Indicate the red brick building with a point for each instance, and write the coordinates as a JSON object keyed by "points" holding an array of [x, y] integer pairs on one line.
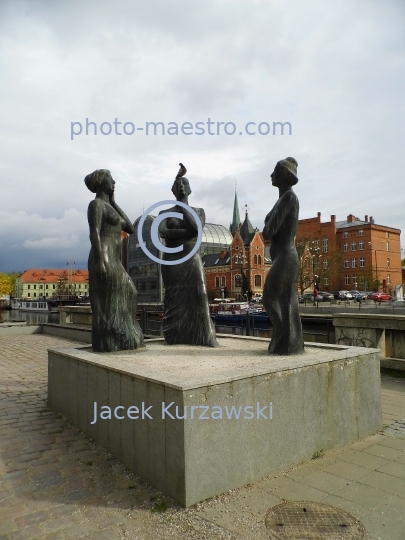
{"points": [[350, 254], [240, 271]]}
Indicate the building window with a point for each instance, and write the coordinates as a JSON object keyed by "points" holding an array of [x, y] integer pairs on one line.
{"points": [[29, 294], [345, 246], [362, 278], [362, 262], [223, 281], [255, 259], [259, 260], [216, 282], [238, 280], [53, 286], [326, 281], [388, 279], [387, 234], [258, 280], [347, 280], [346, 263], [345, 235], [29, 286], [35, 287], [325, 263], [236, 259], [361, 245], [315, 244], [353, 246], [354, 263], [387, 245], [388, 263], [35, 293], [361, 232], [354, 277], [324, 245]]}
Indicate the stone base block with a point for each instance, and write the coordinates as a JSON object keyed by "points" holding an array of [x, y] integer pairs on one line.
{"points": [[236, 414]]}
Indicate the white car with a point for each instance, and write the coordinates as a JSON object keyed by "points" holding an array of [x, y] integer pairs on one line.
{"points": [[346, 294]]}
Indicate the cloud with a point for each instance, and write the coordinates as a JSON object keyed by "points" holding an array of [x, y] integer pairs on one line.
{"points": [[336, 72]]}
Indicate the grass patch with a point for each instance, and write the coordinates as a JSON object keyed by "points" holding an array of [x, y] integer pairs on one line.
{"points": [[160, 506], [317, 454]]}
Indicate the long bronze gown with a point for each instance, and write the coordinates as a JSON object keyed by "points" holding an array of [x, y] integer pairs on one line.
{"points": [[187, 317], [113, 295], [280, 296]]}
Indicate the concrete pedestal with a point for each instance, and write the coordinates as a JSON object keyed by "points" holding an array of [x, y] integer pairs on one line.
{"points": [[288, 408]]}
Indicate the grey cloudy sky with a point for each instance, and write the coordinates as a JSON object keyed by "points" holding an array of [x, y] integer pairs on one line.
{"points": [[334, 70]]}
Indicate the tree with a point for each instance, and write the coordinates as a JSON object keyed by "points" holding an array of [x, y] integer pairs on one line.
{"points": [[63, 285], [305, 275], [246, 288], [6, 284]]}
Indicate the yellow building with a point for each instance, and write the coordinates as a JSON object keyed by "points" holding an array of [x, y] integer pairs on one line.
{"points": [[44, 283]]}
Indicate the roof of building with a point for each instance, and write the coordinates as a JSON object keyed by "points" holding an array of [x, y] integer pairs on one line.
{"points": [[247, 231], [216, 259], [355, 223], [216, 234], [41, 275], [234, 226]]}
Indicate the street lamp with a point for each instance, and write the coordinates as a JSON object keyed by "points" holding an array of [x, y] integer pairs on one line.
{"points": [[314, 250]]}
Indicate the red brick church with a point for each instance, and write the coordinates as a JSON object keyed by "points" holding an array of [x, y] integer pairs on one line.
{"points": [[240, 272]]}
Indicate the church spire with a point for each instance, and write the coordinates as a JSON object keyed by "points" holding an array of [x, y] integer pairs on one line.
{"points": [[234, 226]]}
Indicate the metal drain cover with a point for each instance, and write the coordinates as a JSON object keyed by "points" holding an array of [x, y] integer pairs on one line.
{"points": [[305, 520]]}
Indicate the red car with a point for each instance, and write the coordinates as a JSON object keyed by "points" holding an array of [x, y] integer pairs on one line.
{"points": [[379, 297]]}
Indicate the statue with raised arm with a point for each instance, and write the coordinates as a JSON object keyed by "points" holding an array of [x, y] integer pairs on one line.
{"points": [[113, 295], [280, 296], [187, 317]]}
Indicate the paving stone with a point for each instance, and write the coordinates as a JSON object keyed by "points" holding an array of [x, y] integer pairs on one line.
{"points": [[365, 460], [393, 442], [299, 492], [324, 481], [383, 451], [93, 502], [394, 468], [368, 496], [346, 470], [385, 529], [386, 482]]}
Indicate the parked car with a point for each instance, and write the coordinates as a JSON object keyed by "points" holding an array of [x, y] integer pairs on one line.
{"points": [[358, 296], [308, 297], [345, 295], [326, 296], [379, 297]]}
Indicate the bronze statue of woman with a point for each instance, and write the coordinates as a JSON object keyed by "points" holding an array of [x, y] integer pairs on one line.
{"points": [[280, 296], [113, 295], [187, 317]]}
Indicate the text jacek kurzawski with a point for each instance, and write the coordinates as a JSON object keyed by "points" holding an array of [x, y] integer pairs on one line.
{"points": [[188, 412]]}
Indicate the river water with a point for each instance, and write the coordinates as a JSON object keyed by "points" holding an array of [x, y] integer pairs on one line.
{"points": [[30, 317]]}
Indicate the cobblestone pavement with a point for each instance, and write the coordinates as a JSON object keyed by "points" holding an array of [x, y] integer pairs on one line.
{"points": [[56, 484]]}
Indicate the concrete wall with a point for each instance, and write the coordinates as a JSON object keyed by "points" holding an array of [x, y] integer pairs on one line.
{"points": [[384, 332], [318, 403]]}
